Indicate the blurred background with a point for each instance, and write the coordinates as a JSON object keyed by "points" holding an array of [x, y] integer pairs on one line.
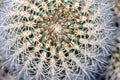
{"points": [[112, 71]]}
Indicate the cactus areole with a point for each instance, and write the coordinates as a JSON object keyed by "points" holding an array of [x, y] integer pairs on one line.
{"points": [[56, 39]]}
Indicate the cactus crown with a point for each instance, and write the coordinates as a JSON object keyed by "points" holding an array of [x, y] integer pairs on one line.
{"points": [[57, 39]]}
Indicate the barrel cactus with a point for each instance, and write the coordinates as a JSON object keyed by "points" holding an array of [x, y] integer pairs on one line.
{"points": [[56, 39]]}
